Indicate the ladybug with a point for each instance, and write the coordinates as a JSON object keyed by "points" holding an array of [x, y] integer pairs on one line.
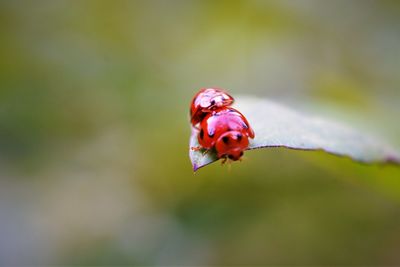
{"points": [[226, 130], [206, 101]]}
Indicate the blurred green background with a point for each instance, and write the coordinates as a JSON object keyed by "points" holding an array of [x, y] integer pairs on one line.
{"points": [[94, 99]]}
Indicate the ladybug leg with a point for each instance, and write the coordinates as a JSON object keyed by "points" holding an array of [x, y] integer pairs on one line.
{"points": [[224, 160], [196, 148], [196, 127], [199, 148]]}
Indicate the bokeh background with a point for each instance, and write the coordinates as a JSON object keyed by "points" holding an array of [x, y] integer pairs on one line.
{"points": [[94, 99]]}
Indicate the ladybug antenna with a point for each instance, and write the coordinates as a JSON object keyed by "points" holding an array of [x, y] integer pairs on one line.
{"points": [[226, 160], [229, 165], [242, 157]]}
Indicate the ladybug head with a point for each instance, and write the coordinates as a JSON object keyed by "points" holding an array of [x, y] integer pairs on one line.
{"points": [[232, 144], [207, 100], [218, 99], [210, 98]]}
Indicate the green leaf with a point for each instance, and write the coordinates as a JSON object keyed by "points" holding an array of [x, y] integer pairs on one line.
{"points": [[278, 126]]}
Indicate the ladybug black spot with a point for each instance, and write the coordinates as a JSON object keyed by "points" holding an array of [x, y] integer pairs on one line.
{"points": [[212, 102], [225, 139], [201, 134], [239, 137]]}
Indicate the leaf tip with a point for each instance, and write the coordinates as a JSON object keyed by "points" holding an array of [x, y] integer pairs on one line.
{"points": [[393, 158], [195, 167]]}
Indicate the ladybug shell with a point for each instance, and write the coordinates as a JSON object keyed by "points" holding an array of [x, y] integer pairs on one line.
{"points": [[226, 130], [207, 100]]}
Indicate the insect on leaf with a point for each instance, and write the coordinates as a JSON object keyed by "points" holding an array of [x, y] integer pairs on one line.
{"points": [[278, 126]]}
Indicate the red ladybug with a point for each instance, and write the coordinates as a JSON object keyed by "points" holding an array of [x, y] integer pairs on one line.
{"points": [[206, 101], [226, 130]]}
